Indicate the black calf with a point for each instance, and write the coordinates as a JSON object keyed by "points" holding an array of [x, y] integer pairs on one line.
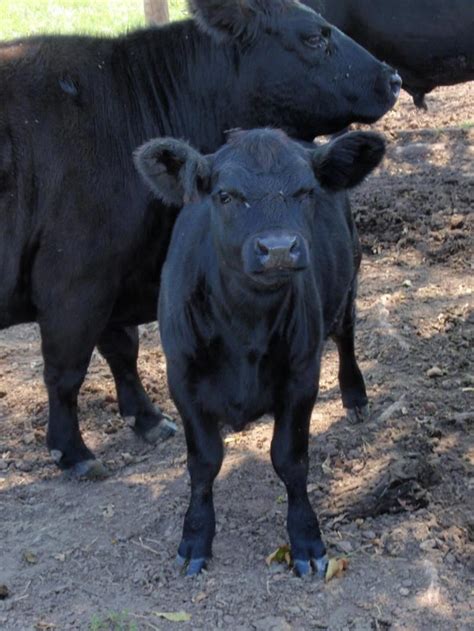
{"points": [[261, 270]]}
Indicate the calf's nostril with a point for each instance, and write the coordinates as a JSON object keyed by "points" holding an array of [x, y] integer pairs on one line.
{"points": [[294, 246]]}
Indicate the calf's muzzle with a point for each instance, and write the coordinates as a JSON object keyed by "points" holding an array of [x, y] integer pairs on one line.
{"points": [[275, 252]]}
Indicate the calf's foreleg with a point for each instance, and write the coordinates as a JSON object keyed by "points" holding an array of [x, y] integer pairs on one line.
{"points": [[205, 454], [289, 452]]}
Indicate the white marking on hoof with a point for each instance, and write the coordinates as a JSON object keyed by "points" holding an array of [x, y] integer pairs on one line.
{"points": [[56, 455], [129, 420]]}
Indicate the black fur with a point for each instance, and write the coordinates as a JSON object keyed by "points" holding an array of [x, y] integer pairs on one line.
{"points": [[240, 343], [430, 42], [82, 240]]}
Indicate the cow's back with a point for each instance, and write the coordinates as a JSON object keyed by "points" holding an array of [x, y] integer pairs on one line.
{"points": [[429, 41]]}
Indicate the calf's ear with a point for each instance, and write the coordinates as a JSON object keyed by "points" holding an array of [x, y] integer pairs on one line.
{"points": [[174, 170], [346, 161], [224, 19]]}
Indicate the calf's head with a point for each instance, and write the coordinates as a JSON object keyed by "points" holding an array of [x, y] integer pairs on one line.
{"points": [[296, 71], [263, 193]]}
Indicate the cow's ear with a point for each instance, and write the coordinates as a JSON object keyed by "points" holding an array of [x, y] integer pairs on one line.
{"points": [[175, 171], [224, 19], [346, 161]]}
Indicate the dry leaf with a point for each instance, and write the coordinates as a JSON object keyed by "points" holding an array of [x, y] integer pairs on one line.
{"points": [[326, 466], [280, 555], [173, 616], [108, 511], [30, 557], [335, 568], [60, 556]]}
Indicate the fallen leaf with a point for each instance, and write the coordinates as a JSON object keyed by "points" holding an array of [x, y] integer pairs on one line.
{"points": [[326, 466], [280, 555], [173, 616], [335, 568], [30, 557], [108, 511], [60, 556]]}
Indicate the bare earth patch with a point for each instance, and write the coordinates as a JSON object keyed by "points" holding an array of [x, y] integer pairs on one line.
{"points": [[393, 494]]}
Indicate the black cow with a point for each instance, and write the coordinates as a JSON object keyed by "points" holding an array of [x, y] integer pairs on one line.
{"points": [[430, 42], [261, 269], [82, 240]]}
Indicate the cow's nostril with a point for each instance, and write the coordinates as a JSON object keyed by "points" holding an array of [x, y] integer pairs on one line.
{"points": [[395, 84], [261, 247]]}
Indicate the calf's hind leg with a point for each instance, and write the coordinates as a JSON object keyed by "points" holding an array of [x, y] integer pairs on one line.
{"points": [[119, 346], [351, 381]]}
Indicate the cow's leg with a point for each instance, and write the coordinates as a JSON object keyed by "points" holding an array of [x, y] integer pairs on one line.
{"points": [[289, 453], [72, 313], [351, 381], [419, 100], [65, 366], [119, 346], [205, 454]]}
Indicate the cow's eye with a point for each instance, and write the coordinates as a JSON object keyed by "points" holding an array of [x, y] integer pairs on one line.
{"points": [[313, 41], [224, 197], [317, 40]]}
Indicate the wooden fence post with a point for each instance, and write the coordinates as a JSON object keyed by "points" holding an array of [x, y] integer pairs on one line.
{"points": [[156, 11]]}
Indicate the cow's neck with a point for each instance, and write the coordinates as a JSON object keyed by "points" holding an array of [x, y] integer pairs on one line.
{"points": [[180, 83]]}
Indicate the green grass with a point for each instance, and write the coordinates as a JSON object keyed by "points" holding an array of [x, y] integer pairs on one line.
{"points": [[113, 621], [27, 17]]}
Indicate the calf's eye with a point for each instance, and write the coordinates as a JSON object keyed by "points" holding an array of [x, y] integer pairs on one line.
{"points": [[224, 197]]}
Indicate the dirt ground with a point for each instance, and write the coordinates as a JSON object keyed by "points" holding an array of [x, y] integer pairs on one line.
{"points": [[392, 494]]}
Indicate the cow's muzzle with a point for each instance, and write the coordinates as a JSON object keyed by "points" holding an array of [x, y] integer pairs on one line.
{"points": [[275, 254]]}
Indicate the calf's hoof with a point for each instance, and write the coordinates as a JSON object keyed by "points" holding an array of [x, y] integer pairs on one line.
{"points": [[318, 566], [193, 566], [89, 469], [357, 415]]}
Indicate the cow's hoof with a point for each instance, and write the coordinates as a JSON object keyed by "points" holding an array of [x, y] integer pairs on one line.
{"points": [[193, 566], [357, 415], [165, 429], [88, 470], [318, 566]]}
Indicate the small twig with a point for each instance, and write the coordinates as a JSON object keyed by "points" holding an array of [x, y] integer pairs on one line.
{"points": [[140, 544]]}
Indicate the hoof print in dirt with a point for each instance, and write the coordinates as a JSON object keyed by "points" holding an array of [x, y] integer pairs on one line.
{"points": [[88, 470], [193, 567], [316, 566], [165, 429], [357, 415]]}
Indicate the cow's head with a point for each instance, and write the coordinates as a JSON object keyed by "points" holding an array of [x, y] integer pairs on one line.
{"points": [[296, 71], [263, 191]]}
